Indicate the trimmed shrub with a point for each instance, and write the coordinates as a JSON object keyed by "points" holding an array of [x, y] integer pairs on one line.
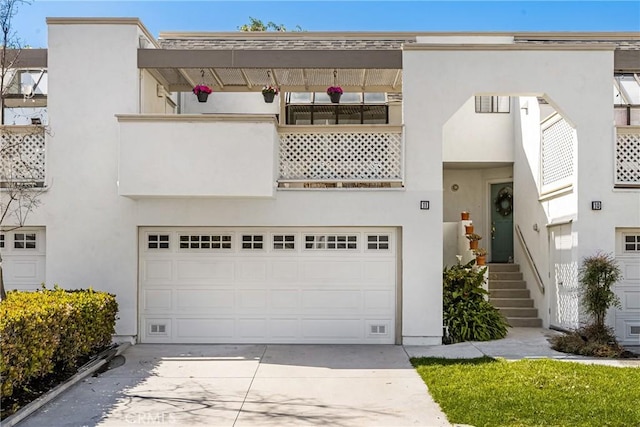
{"points": [[468, 316], [51, 329]]}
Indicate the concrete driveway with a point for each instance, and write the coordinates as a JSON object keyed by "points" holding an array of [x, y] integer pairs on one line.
{"points": [[249, 385]]}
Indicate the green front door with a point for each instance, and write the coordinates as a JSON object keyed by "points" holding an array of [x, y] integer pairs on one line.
{"points": [[502, 222]]}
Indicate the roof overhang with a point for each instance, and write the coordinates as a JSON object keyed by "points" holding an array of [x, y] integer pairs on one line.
{"points": [[239, 70]]}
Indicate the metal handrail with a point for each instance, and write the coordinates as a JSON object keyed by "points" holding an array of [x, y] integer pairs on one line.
{"points": [[532, 263]]}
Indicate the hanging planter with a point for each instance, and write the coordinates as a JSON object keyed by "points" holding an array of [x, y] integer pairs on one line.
{"points": [[202, 92], [269, 92], [335, 92]]}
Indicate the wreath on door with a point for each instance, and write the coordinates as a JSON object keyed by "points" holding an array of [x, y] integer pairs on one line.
{"points": [[504, 202]]}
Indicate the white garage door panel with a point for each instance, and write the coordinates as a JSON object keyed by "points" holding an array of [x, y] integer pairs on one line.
{"points": [[257, 291], [627, 317], [323, 271], [194, 300], [158, 271], [284, 271], [204, 270]]}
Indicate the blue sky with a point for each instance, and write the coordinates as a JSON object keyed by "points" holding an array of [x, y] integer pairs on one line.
{"points": [[343, 15]]}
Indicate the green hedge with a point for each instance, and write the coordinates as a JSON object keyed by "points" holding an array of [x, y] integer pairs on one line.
{"points": [[48, 329]]}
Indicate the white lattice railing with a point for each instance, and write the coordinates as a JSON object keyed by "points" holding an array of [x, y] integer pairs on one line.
{"points": [[341, 154], [557, 154], [628, 156], [22, 155]]}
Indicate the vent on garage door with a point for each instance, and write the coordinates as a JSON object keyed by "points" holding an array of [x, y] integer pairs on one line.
{"points": [[378, 329], [158, 329]]}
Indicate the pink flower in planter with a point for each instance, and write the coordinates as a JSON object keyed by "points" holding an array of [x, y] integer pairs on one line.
{"points": [[202, 89]]}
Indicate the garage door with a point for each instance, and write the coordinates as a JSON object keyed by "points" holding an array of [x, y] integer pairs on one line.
{"points": [[23, 258], [259, 285], [627, 317]]}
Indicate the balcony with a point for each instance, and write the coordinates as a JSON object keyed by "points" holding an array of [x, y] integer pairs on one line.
{"points": [[197, 155], [340, 156], [627, 154], [22, 152]]}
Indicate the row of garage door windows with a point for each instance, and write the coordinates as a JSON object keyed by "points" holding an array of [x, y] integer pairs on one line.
{"points": [[20, 241], [278, 241]]}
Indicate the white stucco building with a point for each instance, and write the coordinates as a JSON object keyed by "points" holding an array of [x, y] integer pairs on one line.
{"points": [[238, 221]]}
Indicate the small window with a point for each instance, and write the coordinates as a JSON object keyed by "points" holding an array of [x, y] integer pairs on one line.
{"points": [[331, 241], [252, 241], [378, 242], [1, 241], [207, 241], [284, 241], [24, 241], [632, 243], [158, 241], [492, 104]]}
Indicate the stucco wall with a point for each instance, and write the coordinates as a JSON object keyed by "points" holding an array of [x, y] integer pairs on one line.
{"points": [[478, 137], [91, 234], [195, 156]]}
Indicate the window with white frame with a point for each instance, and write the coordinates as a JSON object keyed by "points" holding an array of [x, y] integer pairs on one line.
{"points": [[378, 242], [492, 104], [330, 241], [24, 241], [205, 241], [158, 241], [284, 241], [252, 241], [632, 242]]}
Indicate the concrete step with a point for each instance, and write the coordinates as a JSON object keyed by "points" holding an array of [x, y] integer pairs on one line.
{"points": [[518, 312], [504, 275], [499, 267], [508, 293], [507, 284], [524, 322], [512, 302]]}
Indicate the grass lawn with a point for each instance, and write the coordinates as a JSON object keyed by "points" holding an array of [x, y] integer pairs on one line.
{"points": [[488, 392]]}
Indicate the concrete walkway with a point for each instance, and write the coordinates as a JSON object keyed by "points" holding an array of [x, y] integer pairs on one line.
{"points": [[249, 385], [520, 343]]}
